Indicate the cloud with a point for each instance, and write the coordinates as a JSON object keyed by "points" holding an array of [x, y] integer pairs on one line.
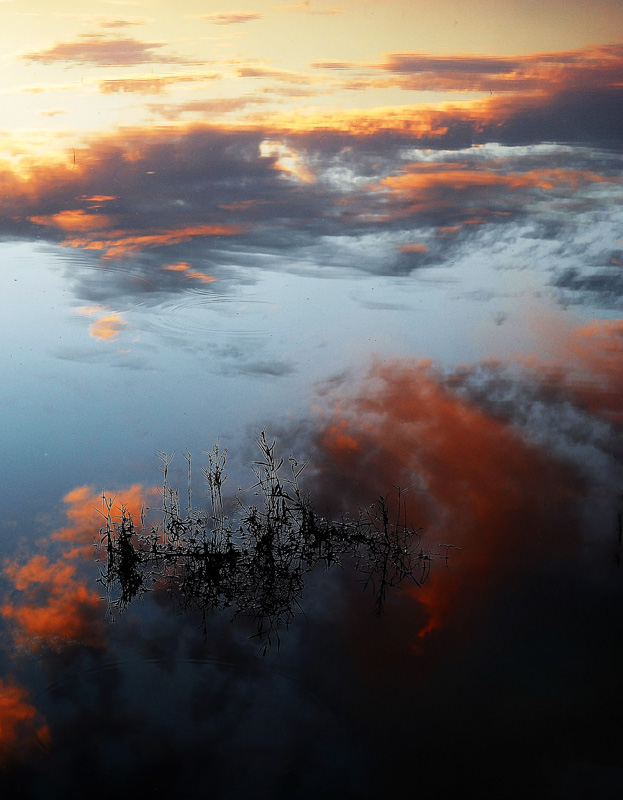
{"points": [[124, 22], [97, 50], [355, 189], [538, 74], [285, 75], [151, 84], [226, 105], [231, 18]]}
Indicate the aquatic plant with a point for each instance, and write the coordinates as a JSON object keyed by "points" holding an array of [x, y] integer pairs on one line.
{"points": [[257, 560]]}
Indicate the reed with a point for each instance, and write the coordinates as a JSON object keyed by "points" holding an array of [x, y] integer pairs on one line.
{"points": [[256, 561]]}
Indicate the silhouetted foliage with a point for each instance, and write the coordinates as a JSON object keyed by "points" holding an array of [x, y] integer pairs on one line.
{"points": [[257, 561]]}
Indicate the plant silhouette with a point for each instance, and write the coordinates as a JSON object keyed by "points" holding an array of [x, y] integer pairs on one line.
{"points": [[255, 562]]}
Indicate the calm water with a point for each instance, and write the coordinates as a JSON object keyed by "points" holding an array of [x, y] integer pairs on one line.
{"points": [[437, 310]]}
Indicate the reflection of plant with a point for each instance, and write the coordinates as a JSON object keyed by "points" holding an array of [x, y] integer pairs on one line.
{"points": [[256, 562]]}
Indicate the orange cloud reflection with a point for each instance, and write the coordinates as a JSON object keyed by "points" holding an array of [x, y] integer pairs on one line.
{"points": [[107, 327], [476, 482], [75, 220], [186, 269], [118, 243], [20, 723], [53, 604]]}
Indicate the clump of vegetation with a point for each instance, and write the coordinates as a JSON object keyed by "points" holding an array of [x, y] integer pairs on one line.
{"points": [[257, 560]]}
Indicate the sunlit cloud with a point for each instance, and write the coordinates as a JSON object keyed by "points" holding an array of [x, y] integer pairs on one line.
{"points": [[151, 84], [54, 112], [122, 23], [461, 190], [231, 18], [287, 161], [98, 198], [539, 74], [258, 71], [96, 50], [225, 105], [426, 178]]}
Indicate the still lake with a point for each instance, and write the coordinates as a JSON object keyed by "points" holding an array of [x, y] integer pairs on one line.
{"points": [[421, 306]]}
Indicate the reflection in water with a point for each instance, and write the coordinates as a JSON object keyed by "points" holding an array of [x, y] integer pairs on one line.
{"points": [[442, 284], [257, 565], [513, 651]]}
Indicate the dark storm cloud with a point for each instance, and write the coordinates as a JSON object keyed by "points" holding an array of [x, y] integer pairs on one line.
{"points": [[95, 49]]}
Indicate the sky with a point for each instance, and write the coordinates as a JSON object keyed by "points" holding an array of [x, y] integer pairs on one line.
{"points": [[390, 234]]}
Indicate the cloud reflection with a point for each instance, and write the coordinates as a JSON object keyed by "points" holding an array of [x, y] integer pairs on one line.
{"points": [[55, 602], [492, 654], [21, 726]]}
